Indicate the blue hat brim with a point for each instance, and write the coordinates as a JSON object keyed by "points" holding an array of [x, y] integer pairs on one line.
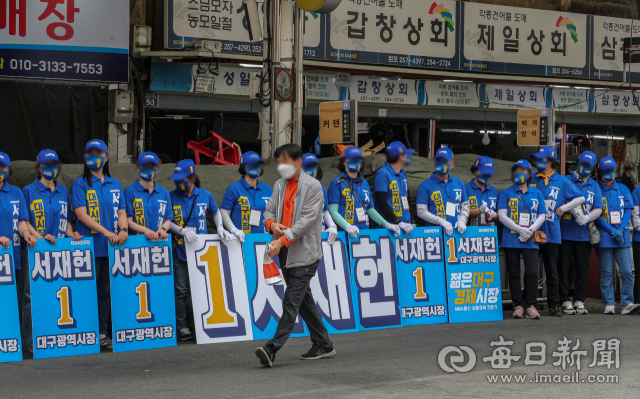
{"points": [[520, 166], [486, 170], [179, 176], [409, 151], [155, 162]]}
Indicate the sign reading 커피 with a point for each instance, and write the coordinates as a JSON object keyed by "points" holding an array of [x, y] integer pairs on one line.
{"points": [[375, 283], [142, 294], [65, 39], [473, 275], [64, 298], [331, 287], [219, 291], [10, 348], [265, 300], [421, 277]]}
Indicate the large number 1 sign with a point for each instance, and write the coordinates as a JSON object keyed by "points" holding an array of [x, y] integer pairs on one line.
{"points": [[219, 290]]}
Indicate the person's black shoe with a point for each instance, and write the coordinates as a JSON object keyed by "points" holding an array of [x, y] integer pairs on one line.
{"points": [[266, 354], [556, 312], [184, 334], [318, 351]]}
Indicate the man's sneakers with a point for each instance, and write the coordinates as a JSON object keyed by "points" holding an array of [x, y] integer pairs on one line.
{"points": [[631, 308], [185, 334], [266, 354], [579, 307], [518, 313], [609, 309], [555, 311], [567, 308], [106, 343], [531, 312], [318, 351]]}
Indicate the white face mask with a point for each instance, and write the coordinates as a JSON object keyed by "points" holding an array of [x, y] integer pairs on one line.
{"points": [[286, 171]]}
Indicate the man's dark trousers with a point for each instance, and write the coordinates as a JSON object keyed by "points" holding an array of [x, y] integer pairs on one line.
{"points": [[298, 300]]}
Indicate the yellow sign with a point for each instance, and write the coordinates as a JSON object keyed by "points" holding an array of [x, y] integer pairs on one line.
{"points": [[336, 122], [319, 6], [533, 125]]}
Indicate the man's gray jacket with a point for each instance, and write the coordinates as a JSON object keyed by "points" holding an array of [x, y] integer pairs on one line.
{"points": [[306, 227]]}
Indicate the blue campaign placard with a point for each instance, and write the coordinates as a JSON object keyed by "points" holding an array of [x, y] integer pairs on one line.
{"points": [[473, 275], [143, 307], [64, 298], [10, 340], [331, 287], [265, 300], [421, 277], [375, 283]]}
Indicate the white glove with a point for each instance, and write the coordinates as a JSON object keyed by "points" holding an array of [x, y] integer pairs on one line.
{"points": [[406, 227], [492, 215], [394, 228], [525, 234], [189, 235], [333, 233], [352, 230], [461, 226], [448, 228], [225, 235], [484, 208], [239, 234], [582, 219]]}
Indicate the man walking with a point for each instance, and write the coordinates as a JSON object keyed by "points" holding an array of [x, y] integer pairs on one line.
{"points": [[294, 217]]}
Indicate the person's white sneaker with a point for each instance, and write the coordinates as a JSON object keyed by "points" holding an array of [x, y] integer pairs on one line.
{"points": [[610, 309], [580, 309], [567, 308], [631, 308]]}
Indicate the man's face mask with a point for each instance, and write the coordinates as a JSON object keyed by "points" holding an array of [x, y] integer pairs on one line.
{"points": [[442, 168], [50, 172], [286, 170], [254, 171], [311, 171]]}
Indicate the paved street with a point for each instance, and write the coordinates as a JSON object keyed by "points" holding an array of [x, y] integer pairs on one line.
{"points": [[399, 363]]}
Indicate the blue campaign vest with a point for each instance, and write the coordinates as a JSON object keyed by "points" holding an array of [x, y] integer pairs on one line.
{"points": [[340, 193], [615, 199], [593, 200], [509, 199], [436, 193], [240, 198], [48, 210], [477, 197], [148, 209], [13, 209], [396, 185], [182, 203]]}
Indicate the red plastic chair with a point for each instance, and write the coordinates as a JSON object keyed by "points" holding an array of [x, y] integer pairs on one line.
{"points": [[227, 154]]}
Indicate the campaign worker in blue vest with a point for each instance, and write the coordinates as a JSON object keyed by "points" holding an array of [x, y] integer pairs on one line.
{"points": [[311, 166], [560, 197], [98, 201], [521, 210], [635, 219], [350, 200], [244, 201], [392, 198], [617, 207], [575, 236], [442, 198], [190, 206], [483, 198], [148, 205], [49, 217]]}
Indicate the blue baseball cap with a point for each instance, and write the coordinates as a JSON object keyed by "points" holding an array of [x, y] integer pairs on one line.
{"points": [[352, 152], [607, 164], [4, 160], [46, 156], [97, 144], [523, 163], [445, 153], [545, 152], [148, 157], [396, 149], [485, 166], [250, 158], [309, 159], [588, 157], [184, 169]]}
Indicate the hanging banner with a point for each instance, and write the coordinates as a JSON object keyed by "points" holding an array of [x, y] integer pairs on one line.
{"points": [[10, 339], [608, 35], [218, 290], [64, 298], [331, 287], [265, 300], [143, 307], [524, 41], [613, 102], [513, 97], [571, 100], [375, 283], [421, 277], [473, 275], [395, 32], [85, 40], [225, 21]]}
